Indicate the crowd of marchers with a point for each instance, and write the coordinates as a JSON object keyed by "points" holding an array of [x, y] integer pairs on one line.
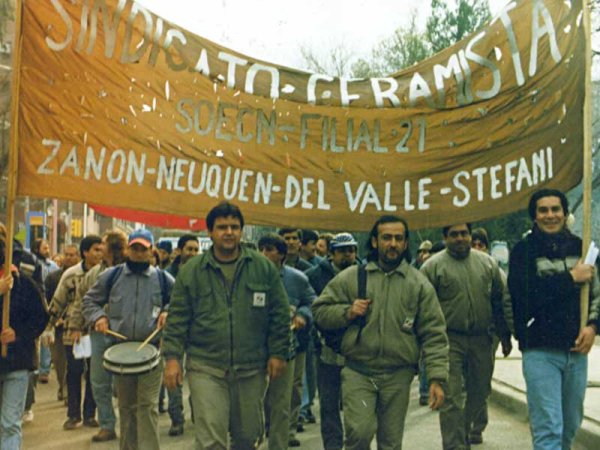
{"points": [[260, 330]]}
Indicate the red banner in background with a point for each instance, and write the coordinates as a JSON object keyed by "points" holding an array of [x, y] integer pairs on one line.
{"points": [[154, 219]]}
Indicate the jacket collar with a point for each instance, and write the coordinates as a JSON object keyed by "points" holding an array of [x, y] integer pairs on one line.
{"points": [[402, 268], [208, 258]]}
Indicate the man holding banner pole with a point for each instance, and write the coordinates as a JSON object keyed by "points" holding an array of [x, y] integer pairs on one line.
{"points": [[546, 275]]}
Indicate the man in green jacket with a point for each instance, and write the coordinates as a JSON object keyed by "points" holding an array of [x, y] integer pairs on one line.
{"points": [[401, 317], [471, 291], [229, 312]]}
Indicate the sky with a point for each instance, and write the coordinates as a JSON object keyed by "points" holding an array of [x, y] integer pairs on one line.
{"points": [[276, 30]]}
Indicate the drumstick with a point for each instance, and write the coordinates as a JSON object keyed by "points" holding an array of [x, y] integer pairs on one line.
{"points": [[149, 338], [115, 334]]}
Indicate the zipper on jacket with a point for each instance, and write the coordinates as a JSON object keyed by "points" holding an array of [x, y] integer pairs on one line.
{"points": [[229, 297], [135, 303]]}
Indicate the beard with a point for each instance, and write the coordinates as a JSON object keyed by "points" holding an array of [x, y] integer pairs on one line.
{"points": [[137, 267], [391, 257]]}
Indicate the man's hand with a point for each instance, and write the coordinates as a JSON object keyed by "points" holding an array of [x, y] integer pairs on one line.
{"points": [[275, 367], [75, 335], [436, 395], [582, 273], [359, 308], [162, 319], [506, 346], [6, 284], [8, 336], [101, 325], [47, 337], [298, 322], [173, 374], [585, 340]]}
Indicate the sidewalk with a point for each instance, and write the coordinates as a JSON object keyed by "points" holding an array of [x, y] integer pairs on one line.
{"points": [[508, 391]]}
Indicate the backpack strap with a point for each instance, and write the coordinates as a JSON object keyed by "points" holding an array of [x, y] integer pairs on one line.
{"points": [[112, 277], [362, 294]]}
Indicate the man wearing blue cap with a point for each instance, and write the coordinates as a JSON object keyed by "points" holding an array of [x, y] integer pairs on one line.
{"points": [[137, 295], [342, 254]]}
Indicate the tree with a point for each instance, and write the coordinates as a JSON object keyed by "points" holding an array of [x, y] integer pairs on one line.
{"points": [[6, 15], [336, 63], [403, 49], [446, 26]]}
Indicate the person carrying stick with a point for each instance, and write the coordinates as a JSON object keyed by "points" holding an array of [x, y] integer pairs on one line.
{"points": [[137, 295]]}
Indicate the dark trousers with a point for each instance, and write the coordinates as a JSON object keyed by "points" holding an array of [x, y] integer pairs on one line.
{"points": [[329, 383], [76, 368]]}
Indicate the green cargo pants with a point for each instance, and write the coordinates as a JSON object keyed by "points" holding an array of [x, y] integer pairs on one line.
{"points": [[375, 404], [471, 367]]}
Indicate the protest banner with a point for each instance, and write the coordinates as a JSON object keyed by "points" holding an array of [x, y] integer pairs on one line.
{"points": [[120, 107]]}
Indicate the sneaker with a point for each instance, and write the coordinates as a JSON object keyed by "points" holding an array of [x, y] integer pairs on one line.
{"points": [[300, 427], [423, 401], [28, 416], [293, 442], [71, 423], [104, 436], [43, 378], [475, 439], [91, 423], [176, 429]]}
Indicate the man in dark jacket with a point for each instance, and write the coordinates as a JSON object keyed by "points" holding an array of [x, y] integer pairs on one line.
{"points": [[545, 278], [282, 401], [28, 318], [342, 254]]}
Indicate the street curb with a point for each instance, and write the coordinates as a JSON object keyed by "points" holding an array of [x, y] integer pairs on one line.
{"points": [[514, 400]]}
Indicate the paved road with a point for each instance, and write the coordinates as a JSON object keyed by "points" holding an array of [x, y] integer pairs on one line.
{"points": [[422, 430]]}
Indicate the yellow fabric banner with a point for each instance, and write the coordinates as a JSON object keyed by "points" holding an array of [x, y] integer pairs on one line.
{"points": [[119, 107]]}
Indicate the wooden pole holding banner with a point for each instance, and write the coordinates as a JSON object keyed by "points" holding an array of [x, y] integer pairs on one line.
{"points": [[587, 155], [13, 161]]}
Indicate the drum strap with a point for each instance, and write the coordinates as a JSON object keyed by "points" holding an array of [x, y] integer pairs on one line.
{"points": [[116, 272]]}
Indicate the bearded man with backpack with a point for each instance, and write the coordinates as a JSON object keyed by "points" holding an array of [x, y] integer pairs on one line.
{"points": [[387, 328]]}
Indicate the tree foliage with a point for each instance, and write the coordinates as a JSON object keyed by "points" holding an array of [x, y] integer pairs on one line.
{"points": [[6, 14], [446, 26], [403, 49]]}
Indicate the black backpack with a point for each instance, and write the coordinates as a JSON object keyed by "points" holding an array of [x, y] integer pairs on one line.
{"points": [[333, 338]]}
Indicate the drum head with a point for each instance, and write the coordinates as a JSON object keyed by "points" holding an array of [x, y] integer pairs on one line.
{"points": [[124, 358]]}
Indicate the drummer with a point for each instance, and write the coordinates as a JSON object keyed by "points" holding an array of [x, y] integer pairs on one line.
{"points": [[137, 295]]}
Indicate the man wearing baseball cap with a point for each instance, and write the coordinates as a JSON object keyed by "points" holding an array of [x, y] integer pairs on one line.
{"points": [[137, 294], [342, 254]]}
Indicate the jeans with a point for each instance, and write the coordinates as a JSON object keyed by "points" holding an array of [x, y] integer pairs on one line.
{"points": [[45, 360], [13, 389], [329, 382], [556, 382], [102, 381], [309, 382]]}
